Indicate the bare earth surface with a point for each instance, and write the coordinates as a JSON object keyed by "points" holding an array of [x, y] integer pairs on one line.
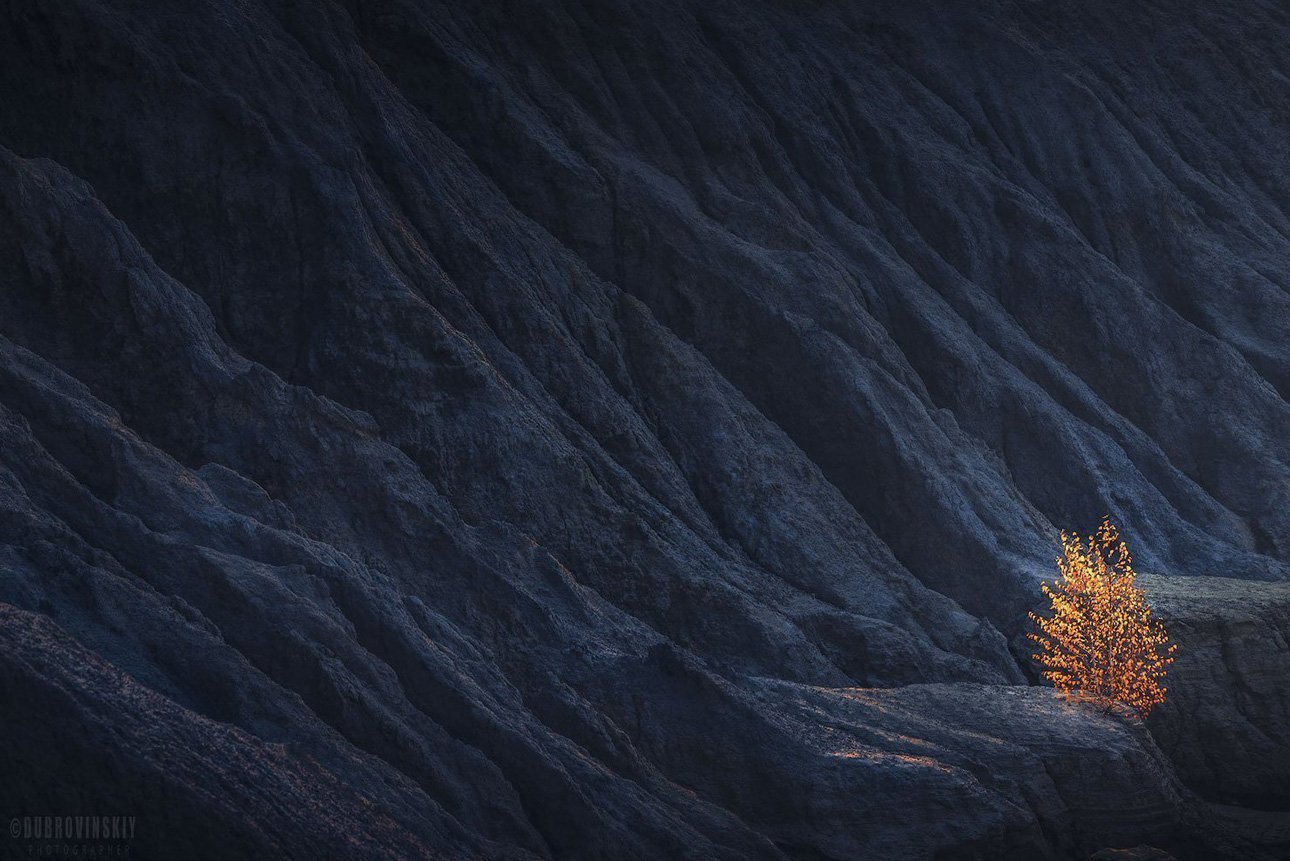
{"points": [[628, 429]]}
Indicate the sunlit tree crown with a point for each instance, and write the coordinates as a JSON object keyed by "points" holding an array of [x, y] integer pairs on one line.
{"points": [[1100, 640]]}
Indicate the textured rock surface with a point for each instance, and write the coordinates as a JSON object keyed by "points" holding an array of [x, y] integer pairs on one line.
{"points": [[635, 430], [1226, 725]]}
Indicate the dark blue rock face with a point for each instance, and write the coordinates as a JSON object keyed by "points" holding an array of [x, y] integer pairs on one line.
{"points": [[636, 430]]}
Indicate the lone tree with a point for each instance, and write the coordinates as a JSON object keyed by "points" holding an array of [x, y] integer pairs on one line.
{"points": [[1101, 640]]}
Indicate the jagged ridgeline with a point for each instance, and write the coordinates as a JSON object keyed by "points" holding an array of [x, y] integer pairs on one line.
{"points": [[627, 429]]}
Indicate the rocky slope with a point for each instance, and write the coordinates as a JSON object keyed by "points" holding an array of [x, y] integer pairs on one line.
{"points": [[626, 429], [1227, 728]]}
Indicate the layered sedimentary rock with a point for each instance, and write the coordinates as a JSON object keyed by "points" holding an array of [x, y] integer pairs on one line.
{"points": [[635, 430], [1227, 724]]}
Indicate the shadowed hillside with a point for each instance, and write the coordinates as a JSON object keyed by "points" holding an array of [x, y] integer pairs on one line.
{"points": [[629, 429]]}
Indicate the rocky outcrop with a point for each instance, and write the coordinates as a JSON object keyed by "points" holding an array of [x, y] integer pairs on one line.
{"points": [[1226, 724], [633, 430], [1019, 772]]}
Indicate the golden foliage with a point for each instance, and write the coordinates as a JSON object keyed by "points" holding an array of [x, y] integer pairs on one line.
{"points": [[1101, 640]]}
